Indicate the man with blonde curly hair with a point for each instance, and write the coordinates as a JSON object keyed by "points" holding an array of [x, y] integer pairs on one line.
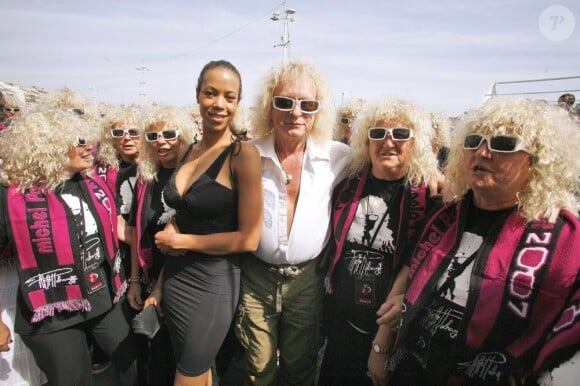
{"points": [[494, 284], [282, 290]]}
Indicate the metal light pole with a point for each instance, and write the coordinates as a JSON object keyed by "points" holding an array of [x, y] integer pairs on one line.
{"points": [[287, 17], [142, 84]]}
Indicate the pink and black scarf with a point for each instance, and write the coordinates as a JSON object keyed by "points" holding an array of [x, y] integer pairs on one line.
{"points": [[108, 174], [413, 206], [526, 279], [48, 250], [143, 192]]}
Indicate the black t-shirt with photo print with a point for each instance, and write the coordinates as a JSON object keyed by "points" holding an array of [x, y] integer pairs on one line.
{"points": [[437, 326], [126, 179], [361, 278]]}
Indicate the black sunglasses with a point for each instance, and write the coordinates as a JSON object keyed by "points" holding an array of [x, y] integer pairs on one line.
{"points": [[11, 109], [346, 121]]}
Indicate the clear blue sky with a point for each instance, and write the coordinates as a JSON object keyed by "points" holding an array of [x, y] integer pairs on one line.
{"points": [[443, 55]]}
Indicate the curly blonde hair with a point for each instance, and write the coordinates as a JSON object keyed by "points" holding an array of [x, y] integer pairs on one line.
{"points": [[552, 140], [35, 148], [423, 163], [128, 115], [241, 124], [159, 117], [11, 100], [294, 71], [352, 108], [442, 129], [66, 98], [193, 109]]}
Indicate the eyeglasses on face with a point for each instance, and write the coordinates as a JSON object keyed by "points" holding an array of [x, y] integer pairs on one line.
{"points": [[346, 121], [121, 133], [11, 109], [167, 135], [74, 111], [306, 106], [82, 142], [396, 133], [495, 143]]}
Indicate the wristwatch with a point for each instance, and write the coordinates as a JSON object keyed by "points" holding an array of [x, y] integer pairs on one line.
{"points": [[380, 350]]}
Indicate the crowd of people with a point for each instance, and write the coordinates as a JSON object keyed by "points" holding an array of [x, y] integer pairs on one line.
{"points": [[377, 244]]}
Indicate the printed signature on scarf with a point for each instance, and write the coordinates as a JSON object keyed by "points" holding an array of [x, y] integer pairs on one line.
{"points": [[485, 366], [364, 263], [441, 319], [52, 279]]}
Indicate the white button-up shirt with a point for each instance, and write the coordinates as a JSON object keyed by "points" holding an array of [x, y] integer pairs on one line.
{"points": [[323, 167]]}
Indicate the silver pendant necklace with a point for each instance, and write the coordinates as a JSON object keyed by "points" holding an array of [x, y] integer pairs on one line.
{"points": [[287, 176]]}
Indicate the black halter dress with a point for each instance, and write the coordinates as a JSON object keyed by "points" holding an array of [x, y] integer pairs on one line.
{"points": [[200, 291]]}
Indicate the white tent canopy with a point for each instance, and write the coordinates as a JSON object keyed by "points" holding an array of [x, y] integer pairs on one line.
{"points": [[548, 89]]}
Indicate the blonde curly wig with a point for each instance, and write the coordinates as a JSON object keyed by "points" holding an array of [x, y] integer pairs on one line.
{"points": [[242, 122], [551, 138], [35, 148], [294, 71], [157, 118], [351, 108], [193, 109], [423, 163], [65, 98], [441, 128], [11, 100], [127, 115]]}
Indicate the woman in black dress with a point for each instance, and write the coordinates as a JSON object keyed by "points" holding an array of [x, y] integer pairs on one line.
{"points": [[217, 194]]}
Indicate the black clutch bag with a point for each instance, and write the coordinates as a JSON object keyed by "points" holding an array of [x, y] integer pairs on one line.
{"points": [[146, 322]]}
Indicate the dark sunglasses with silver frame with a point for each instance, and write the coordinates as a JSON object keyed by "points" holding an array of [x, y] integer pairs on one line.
{"points": [[167, 135], [121, 133], [500, 143], [306, 106], [76, 111], [396, 133]]}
